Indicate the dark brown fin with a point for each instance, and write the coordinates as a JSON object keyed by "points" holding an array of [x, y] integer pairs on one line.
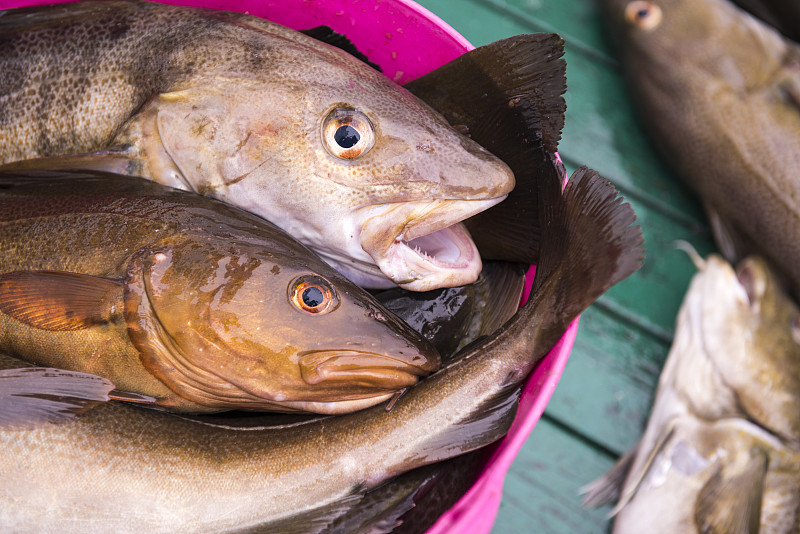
{"points": [[730, 502], [508, 95], [32, 396], [53, 300], [589, 244], [313, 521], [328, 36], [499, 291], [113, 162]]}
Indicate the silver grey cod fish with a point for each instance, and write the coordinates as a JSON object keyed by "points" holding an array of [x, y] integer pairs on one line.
{"points": [[255, 114], [124, 469], [721, 451], [719, 92]]}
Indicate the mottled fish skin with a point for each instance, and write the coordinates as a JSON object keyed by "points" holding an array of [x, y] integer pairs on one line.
{"points": [[236, 107], [719, 92], [187, 300], [147, 471], [722, 445]]}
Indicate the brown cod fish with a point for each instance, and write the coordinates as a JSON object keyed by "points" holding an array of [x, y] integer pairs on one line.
{"points": [[721, 451], [719, 92], [196, 305], [257, 115], [142, 470]]}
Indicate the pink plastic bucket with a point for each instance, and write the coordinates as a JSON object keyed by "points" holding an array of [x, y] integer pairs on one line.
{"points": [[407, 40]]}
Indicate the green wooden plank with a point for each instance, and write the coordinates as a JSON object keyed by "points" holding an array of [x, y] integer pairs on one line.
{"points": [[575, 21], [607, 387], [541, 491], [654, 293]]}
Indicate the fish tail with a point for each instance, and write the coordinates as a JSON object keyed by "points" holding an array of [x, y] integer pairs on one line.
{"points": [[508, 96], [588, 244]]}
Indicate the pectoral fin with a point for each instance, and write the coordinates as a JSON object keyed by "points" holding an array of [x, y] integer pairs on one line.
{"points": [[54, 300], [730, 502], [733, 244], [608, 488], [113, 162], [31, 396]]}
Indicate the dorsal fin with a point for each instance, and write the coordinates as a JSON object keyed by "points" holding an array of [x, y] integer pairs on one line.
{"points": [[326, 35]]}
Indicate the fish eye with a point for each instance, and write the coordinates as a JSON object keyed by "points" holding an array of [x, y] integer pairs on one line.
{"points": [[645, 15], [347, 133], [313, 294]]}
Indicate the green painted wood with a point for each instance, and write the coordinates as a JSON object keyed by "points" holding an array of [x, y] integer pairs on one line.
{"points": [[603, 400], [551, 503]]}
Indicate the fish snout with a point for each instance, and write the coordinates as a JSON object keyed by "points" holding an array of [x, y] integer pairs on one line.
{"points": [[361, 368]]}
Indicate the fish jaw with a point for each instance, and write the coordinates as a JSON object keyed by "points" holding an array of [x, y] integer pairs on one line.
{"points": [[421, 247]]}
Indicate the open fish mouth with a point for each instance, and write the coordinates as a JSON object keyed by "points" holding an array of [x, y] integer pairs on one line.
{"points": [[422, 246], [361, 370]]}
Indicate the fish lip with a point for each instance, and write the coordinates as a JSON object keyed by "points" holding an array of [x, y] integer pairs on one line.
{"points": [[425, 247], [362, 368]]}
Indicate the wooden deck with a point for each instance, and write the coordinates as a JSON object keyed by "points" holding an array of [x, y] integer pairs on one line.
{"points": [[603, 400]]}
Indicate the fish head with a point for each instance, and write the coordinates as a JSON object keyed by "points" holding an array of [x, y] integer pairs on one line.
{"points": [[348, 162], [234, 326], [688, 39], [748, 331]]}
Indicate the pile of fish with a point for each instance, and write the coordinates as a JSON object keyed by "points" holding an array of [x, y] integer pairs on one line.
{"points": [[721, 452], [719, 91], [124, 289]]}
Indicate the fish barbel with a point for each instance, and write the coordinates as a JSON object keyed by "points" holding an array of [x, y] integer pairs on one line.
{"points": [[719, 92], [721, 451], [257, 115], [142, 470], [197, 304]]}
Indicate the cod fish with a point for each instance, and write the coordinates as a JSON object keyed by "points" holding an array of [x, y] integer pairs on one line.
{"points": [[189, 303], [142, 470], [719, 92], [721, 451], [257, 115]]}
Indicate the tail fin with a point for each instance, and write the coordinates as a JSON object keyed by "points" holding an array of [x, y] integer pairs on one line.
{"points": [[508, 95], [588, 245]]}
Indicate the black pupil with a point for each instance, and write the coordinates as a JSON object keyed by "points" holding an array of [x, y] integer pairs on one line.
{"points": [[642, 13], [346, 136], [313, 297]]}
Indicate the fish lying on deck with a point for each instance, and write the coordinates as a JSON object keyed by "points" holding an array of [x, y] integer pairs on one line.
{"points": [[257, 115], [142, 470], [182, 298], [719, 92], [721, 452]]}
